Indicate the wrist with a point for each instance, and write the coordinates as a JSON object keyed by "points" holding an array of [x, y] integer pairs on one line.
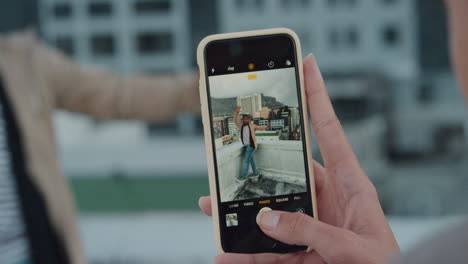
{"points": [[454, 4], [189, 100], [457, 10]]}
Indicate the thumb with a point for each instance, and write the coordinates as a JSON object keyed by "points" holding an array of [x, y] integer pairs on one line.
{"points": [[301, 229]]}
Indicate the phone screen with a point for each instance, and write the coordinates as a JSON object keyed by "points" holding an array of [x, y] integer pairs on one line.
{"points": [[256, 120]]}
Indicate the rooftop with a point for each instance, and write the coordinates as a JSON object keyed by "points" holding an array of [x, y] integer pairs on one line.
{"points": [[280, 162]]}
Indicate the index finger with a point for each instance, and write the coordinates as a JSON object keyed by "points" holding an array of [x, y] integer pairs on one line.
{"points": [[205, 205], [331, 138]]}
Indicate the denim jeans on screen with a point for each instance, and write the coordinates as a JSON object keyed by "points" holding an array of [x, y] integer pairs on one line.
{"points": [[248, 161]]}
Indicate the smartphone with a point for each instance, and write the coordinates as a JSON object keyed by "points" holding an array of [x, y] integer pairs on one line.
{"points": [[256, 133]]}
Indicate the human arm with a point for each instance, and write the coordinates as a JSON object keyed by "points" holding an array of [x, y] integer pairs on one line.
{"points": [[107, 95], [458, 21], [236, 117], [262, 127], [352, 226]]}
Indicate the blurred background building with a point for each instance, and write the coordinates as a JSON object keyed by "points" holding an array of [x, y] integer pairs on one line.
{"points": [[387, 69], [129, 36], [250, 103]]}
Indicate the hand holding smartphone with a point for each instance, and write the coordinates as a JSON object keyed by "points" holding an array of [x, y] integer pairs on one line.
{"points": [[256, 133], [353, 227]]}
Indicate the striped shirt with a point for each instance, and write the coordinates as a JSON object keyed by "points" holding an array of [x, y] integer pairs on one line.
{"points": [[14, 246]]}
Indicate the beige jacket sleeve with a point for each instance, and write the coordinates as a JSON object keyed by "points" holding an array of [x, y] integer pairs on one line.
{"points": [[236, 120], [260, 127], [106, 95]]}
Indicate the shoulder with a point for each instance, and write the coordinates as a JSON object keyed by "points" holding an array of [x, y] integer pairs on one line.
{"points": [[18, 42], [19, 38]]}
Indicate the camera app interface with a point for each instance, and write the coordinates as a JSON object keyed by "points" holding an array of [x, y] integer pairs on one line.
{"points": [[257, 133]]}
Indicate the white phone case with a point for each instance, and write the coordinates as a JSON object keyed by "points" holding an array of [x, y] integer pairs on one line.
{"points": [[206, 116]]}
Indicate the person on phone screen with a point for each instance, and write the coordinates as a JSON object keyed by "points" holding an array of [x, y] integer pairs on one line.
{"points": [[249, 141], [352, 228]]}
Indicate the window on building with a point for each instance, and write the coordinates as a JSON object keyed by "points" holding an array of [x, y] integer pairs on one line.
{"points": [[102, 45], [333, 38], [351, 3], [65, 44], [432, 36], [259, 4], [305, 3], [390, 2], [391, 36], [353, 37], [152, 6], [240, 4], [332, 3], [342, 3], [426, 93], [154, 42], [62, 10], [286, 3], [100, 8]]}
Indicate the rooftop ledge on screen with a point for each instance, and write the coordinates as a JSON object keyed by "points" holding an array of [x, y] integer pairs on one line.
{"points": [[280, 162]]}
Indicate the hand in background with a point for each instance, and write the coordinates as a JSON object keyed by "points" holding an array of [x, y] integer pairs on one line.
{"points": [[457, 21], [352, 226], [238, 109]]}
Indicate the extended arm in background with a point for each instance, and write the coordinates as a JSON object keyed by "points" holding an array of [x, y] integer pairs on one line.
{"points": [[261, 127], [236, 117], [458, 21], [106, 95]]}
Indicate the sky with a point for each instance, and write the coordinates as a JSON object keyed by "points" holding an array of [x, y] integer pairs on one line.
{"points": [[279, 83]]}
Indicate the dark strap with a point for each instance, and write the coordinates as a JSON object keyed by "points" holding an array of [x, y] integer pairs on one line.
{"points": [[250, 136], [242, 134], [46, 246]]}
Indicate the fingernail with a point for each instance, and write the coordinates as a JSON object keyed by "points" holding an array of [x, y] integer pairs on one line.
{"points": [[199, 201], [309, 55], [268, 220]]}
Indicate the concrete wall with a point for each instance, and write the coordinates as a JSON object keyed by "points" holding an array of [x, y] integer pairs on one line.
{"points": [[229, 161], [281, 160], [278, 160]]}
